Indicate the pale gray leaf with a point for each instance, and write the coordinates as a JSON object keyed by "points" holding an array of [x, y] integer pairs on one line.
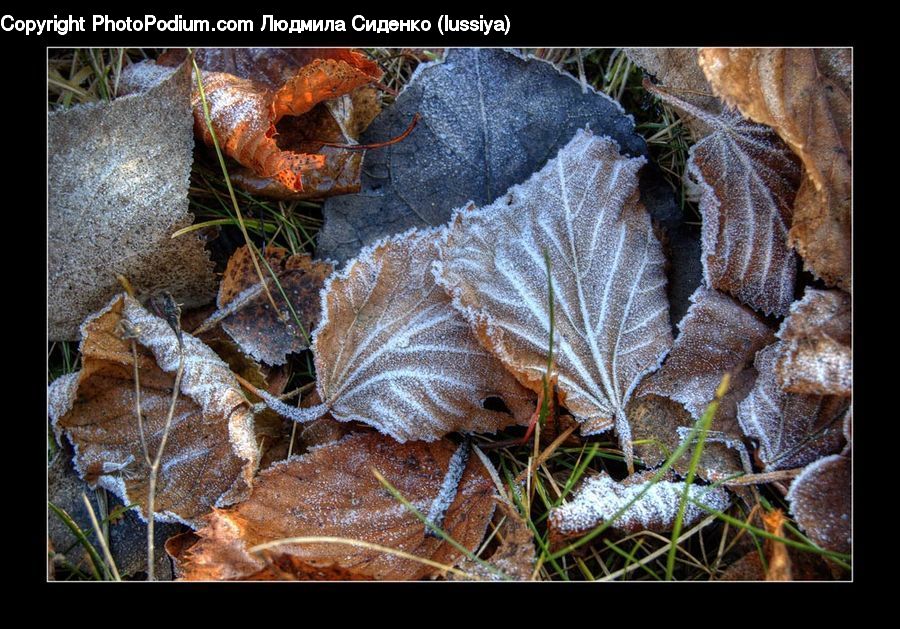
{"points": [[611, 312], [118, 176]]}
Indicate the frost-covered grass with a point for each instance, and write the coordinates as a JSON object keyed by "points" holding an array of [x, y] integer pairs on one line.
{"points": [[551, 469]]}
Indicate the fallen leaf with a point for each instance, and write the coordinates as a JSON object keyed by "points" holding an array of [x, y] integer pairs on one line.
{"points": [[117, 184], [391, 352], [717, 336], [247, 315], [514, 555], [821, 501], [489, 119], [600, 497], [749, 179], [331, 491], [289, 568], [792, 429], [277, 114], [211, 454], [787, 89], [678, 70], [611, 312], [815, 356]]}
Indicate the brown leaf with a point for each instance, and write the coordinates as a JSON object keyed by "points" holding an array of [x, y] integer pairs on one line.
{"points": [[290, 568], [748, 178], [678, 70], [600, 497], [117, 183], [266, 335], [514, 555], [792, 429], [331, 491], [790, 91], [276, 115], [821, 502], [211, 454], [611, 311], [814, 354], [716, 336], [391, 352]]}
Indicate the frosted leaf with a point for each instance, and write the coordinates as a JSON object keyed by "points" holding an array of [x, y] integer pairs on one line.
{"points": [[600, 497], [678, 70], [611, 312], [331, 491], [211, 452], [821, 501], [391, 351], [117, 183], [246, 313], [792, 429], [717, 336], [274, 117], [749, 179], [790, 90], [489, 119], [815, 355]]}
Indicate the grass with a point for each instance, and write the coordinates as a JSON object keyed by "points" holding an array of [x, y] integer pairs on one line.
{"points": [[538, 475]]}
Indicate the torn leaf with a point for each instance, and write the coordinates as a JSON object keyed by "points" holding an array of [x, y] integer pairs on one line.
{"points": [[331, 491], [815, 356], [600, 497], [717, 336], [821, 501], [611, 312], [249, 319], [749, 179], [789, 90], [117, 184], [276, 116], [392, 352], [792, 429], [489, 119], [211, 454]]}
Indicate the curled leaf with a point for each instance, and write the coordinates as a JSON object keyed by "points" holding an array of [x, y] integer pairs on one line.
{"points": [[789, 89], [600, 497], [331, 491], [211, 454], [276, 115], [391, 351], [489, 119], [792, 429], [814, 354], [611, 317], [247, 315], [821, 501], [117, 184]]}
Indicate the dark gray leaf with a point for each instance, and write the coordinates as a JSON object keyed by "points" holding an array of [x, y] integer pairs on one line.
{"points": [[490, 119]]}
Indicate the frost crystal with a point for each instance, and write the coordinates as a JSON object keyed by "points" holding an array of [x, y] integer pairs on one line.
{"points": [[601, 497], [611, 310], [821, 501]]}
